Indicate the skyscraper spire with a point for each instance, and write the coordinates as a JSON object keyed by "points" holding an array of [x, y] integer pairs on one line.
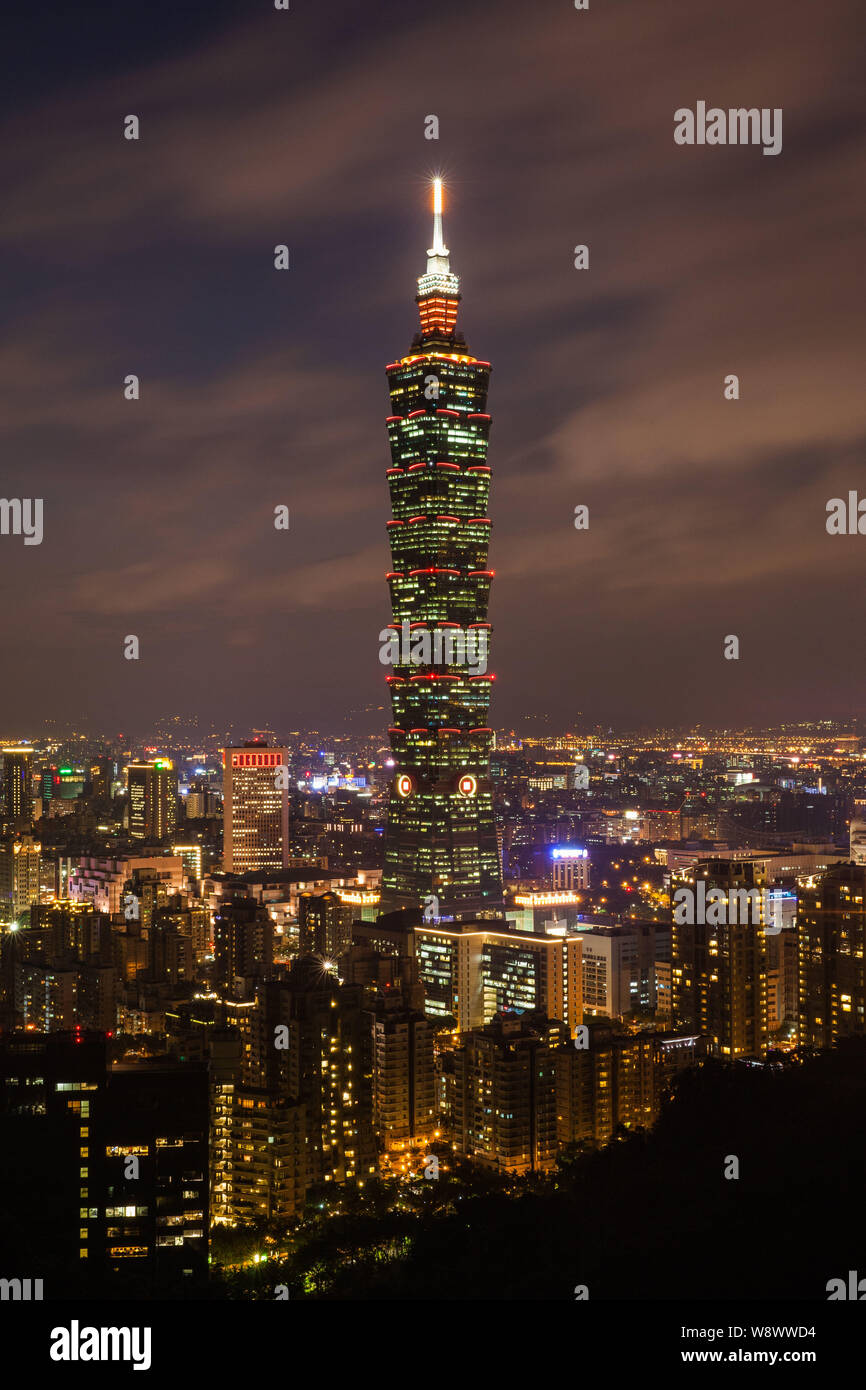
{"points": [[438, 289], [437, 255]]}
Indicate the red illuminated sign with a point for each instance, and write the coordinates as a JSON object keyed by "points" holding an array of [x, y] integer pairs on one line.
{"points": [[257, 760]]}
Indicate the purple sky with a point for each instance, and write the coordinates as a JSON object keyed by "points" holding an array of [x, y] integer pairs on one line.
{"points": [[258, 388]]}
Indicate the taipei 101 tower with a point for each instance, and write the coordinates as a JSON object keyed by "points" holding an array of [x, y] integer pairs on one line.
{"points": [[441, 851]]}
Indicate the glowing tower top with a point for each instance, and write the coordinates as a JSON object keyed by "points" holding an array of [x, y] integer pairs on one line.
{"points": [[438, 288]]}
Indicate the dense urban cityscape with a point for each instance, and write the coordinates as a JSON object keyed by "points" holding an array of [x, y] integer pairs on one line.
{"points": [[283, 1011], [273, 1002], [223, 1034], [432, 859]]}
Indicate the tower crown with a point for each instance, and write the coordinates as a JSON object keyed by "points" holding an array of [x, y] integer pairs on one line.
{"points": [[439, 288]]}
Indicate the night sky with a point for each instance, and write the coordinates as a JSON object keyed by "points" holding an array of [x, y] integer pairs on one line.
{"points": [[258, 127]]}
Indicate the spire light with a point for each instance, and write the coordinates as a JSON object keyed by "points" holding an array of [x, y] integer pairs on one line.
{"points": [[438, 251]]}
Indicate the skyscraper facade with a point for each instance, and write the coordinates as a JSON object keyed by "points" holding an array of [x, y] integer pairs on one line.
{"points": [[255, 809], [16, 809], [441, 847], [152, 790], [470, 973]]}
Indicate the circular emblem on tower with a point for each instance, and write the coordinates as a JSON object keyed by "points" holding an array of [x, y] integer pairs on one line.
{"points": [[404, 784], [467, 785]]}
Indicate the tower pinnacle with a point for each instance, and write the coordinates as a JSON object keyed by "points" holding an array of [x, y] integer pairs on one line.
{"points": [[438, 288], [437, 255]]}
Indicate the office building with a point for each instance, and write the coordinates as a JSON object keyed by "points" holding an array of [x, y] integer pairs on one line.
{"points": [[569, 870], [255, 809], [471, 972], [152, 792]]}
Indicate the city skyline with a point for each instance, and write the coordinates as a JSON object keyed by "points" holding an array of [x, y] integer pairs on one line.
{"points": [[371, 930], [707, 516]]}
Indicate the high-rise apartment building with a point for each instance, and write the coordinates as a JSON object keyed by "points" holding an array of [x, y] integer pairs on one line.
{"points": [[505, 1094], [260, 1141], [243, 942], [106, 881], [441, 845], [255, 809], [404, 1083], [152, 791], [325, 924], [719, 966], [311, 1043], [20, 859], [832, 969], [619, 1079]]}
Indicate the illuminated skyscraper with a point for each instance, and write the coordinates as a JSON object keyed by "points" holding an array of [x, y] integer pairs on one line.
{"points": [[255, 809], [152, 790], [17, 804], [441, 841]]}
